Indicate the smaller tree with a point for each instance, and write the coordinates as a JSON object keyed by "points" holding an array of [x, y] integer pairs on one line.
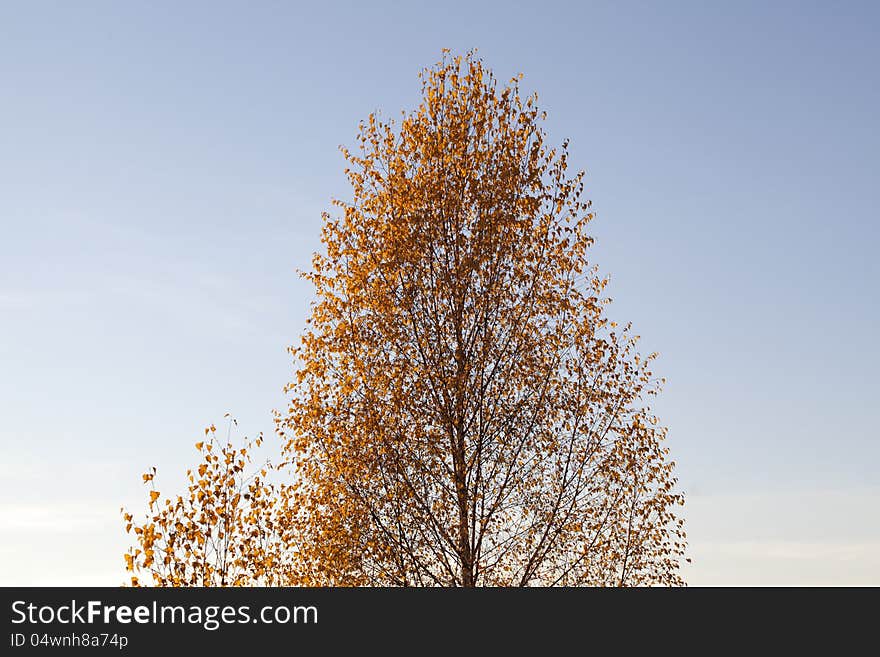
{"points": [[227, 530]]}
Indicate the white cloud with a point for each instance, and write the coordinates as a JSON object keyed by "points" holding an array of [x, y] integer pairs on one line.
{"points": [[785, 538], [34, 519]]}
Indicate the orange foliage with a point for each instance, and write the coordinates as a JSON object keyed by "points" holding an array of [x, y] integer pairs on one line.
{"points": [[229, 528], [463, 411]]}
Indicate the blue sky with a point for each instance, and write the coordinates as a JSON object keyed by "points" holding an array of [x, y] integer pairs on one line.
{"points": [[163, 167]]}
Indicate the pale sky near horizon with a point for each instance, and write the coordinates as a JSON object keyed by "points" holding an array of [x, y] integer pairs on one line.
{"points": [[163, 167]]}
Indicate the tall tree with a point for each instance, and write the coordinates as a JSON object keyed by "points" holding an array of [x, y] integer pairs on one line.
{"points": [[463, 412]]}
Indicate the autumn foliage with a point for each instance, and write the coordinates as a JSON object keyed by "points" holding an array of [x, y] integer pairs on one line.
{"points": [[463, 411], [228, 529]]}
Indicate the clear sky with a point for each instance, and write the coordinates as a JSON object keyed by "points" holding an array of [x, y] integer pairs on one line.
{"points": [[163, 167]]}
